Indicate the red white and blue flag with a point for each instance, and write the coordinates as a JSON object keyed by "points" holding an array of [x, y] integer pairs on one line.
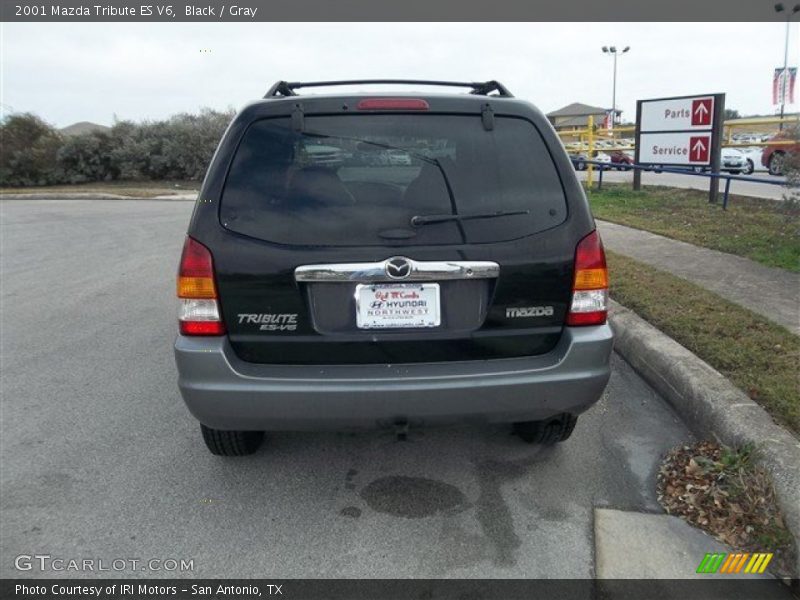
{"points": [[783, 85], [608, 120]]}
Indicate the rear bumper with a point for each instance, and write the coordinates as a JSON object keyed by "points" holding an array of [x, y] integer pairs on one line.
{"points": [[225, 392]]}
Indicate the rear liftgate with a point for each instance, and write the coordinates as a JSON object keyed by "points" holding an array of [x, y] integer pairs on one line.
{"points": [[399, 294]]}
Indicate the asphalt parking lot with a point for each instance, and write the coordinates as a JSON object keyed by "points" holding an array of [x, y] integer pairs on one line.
{"points": [[102, 460]]}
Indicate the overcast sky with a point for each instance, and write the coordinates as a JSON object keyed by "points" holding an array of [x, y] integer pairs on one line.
{"points": [[96, 71]]}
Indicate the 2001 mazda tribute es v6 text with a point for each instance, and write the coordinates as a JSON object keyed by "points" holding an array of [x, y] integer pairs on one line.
{"points": [[324, 283]]}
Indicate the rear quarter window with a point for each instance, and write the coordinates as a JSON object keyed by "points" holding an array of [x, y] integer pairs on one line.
{"points": [[358, 180]]}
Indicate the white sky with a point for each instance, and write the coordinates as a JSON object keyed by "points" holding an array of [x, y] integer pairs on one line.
{"points": [[94, 71]]}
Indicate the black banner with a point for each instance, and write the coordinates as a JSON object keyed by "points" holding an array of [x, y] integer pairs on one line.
{"points": [[371, 10], [398, 589]]}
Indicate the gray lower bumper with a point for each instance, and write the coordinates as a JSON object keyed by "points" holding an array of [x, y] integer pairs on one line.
{"points": [[225, 392]]}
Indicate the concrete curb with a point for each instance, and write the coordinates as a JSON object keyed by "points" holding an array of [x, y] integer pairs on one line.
{"points": [[710, 404], [94, 196]]}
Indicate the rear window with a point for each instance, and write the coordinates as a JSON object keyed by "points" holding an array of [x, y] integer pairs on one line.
{"points": [[360, 180]]}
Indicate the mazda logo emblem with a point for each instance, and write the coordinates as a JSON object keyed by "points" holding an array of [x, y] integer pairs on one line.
{"points": [[398, 267]]}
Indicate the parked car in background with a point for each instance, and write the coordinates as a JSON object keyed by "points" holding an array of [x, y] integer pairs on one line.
{"points": [[329, 156], [752, 157], [731, 161], [621, 159], [774, 155], [745, 138], [602, 157], [398, 157], [578, 160]]}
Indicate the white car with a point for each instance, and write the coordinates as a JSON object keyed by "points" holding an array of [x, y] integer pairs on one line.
{"points": [[329, 156], [752, 157], [398, 157], [731, 160], [603, 158]]}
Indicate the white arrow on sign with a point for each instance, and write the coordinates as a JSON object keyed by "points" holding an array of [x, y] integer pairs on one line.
{"points": [[701, 108], [698, 148]]}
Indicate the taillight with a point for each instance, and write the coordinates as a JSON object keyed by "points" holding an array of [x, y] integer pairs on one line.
{"points": [[590, 284], [199, 312]]}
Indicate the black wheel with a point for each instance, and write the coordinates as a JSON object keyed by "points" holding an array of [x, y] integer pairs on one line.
{"points": [[231, 443], [775, 165], [749, 167], [546, 432], [580, 166]]}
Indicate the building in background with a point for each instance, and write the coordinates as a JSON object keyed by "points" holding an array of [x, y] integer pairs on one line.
{"points": [[576, 116]]}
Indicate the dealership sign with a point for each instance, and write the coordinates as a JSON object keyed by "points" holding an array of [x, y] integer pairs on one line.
{"points": [[681, 131], [675, 149]]}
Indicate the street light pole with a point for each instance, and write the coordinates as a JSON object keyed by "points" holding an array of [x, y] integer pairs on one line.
{"points": [[614, 93], [613, 51], [784, 74]]}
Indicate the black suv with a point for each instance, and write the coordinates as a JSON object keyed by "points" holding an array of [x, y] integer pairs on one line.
{"points": [[390, 260]]}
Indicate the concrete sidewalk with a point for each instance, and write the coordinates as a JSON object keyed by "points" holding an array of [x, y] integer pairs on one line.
{"points": [[770, 292]]}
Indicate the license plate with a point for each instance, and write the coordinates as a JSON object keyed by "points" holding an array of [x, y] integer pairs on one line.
{"points": [[397, 305]]}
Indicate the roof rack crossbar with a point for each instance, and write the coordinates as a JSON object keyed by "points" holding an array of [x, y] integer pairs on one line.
{"points": [[481, 88]]}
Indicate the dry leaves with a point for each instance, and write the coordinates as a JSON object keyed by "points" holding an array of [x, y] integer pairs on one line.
{"points": [[721, 491]]}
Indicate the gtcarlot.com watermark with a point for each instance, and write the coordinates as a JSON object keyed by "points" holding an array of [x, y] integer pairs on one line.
{"points": [[46, 562]]}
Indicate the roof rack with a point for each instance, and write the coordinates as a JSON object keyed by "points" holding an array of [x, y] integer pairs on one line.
{"points": [[481, 88]]}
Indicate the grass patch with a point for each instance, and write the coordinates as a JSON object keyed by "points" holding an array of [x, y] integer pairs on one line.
{"points": [[761, 358], [766, 231], [722, 491], [134, 189]]}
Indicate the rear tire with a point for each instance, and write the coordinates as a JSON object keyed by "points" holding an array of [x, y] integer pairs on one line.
{"points": [[548, 431], [749, 167], [231, 443]]}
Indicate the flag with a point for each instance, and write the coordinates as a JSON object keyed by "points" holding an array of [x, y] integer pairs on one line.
{"points": [[608, 120], [779, 87]]}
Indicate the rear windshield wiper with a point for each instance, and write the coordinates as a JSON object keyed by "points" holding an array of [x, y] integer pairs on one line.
{"points": [[434, 161], [418, 220]]}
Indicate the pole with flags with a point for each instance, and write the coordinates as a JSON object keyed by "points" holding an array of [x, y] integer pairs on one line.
{"points": [[783, 82], [783, 78]]}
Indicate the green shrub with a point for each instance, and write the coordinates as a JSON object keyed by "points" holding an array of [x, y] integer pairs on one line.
{"points": [[87, 157], [28, 151], [178, 148]]}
